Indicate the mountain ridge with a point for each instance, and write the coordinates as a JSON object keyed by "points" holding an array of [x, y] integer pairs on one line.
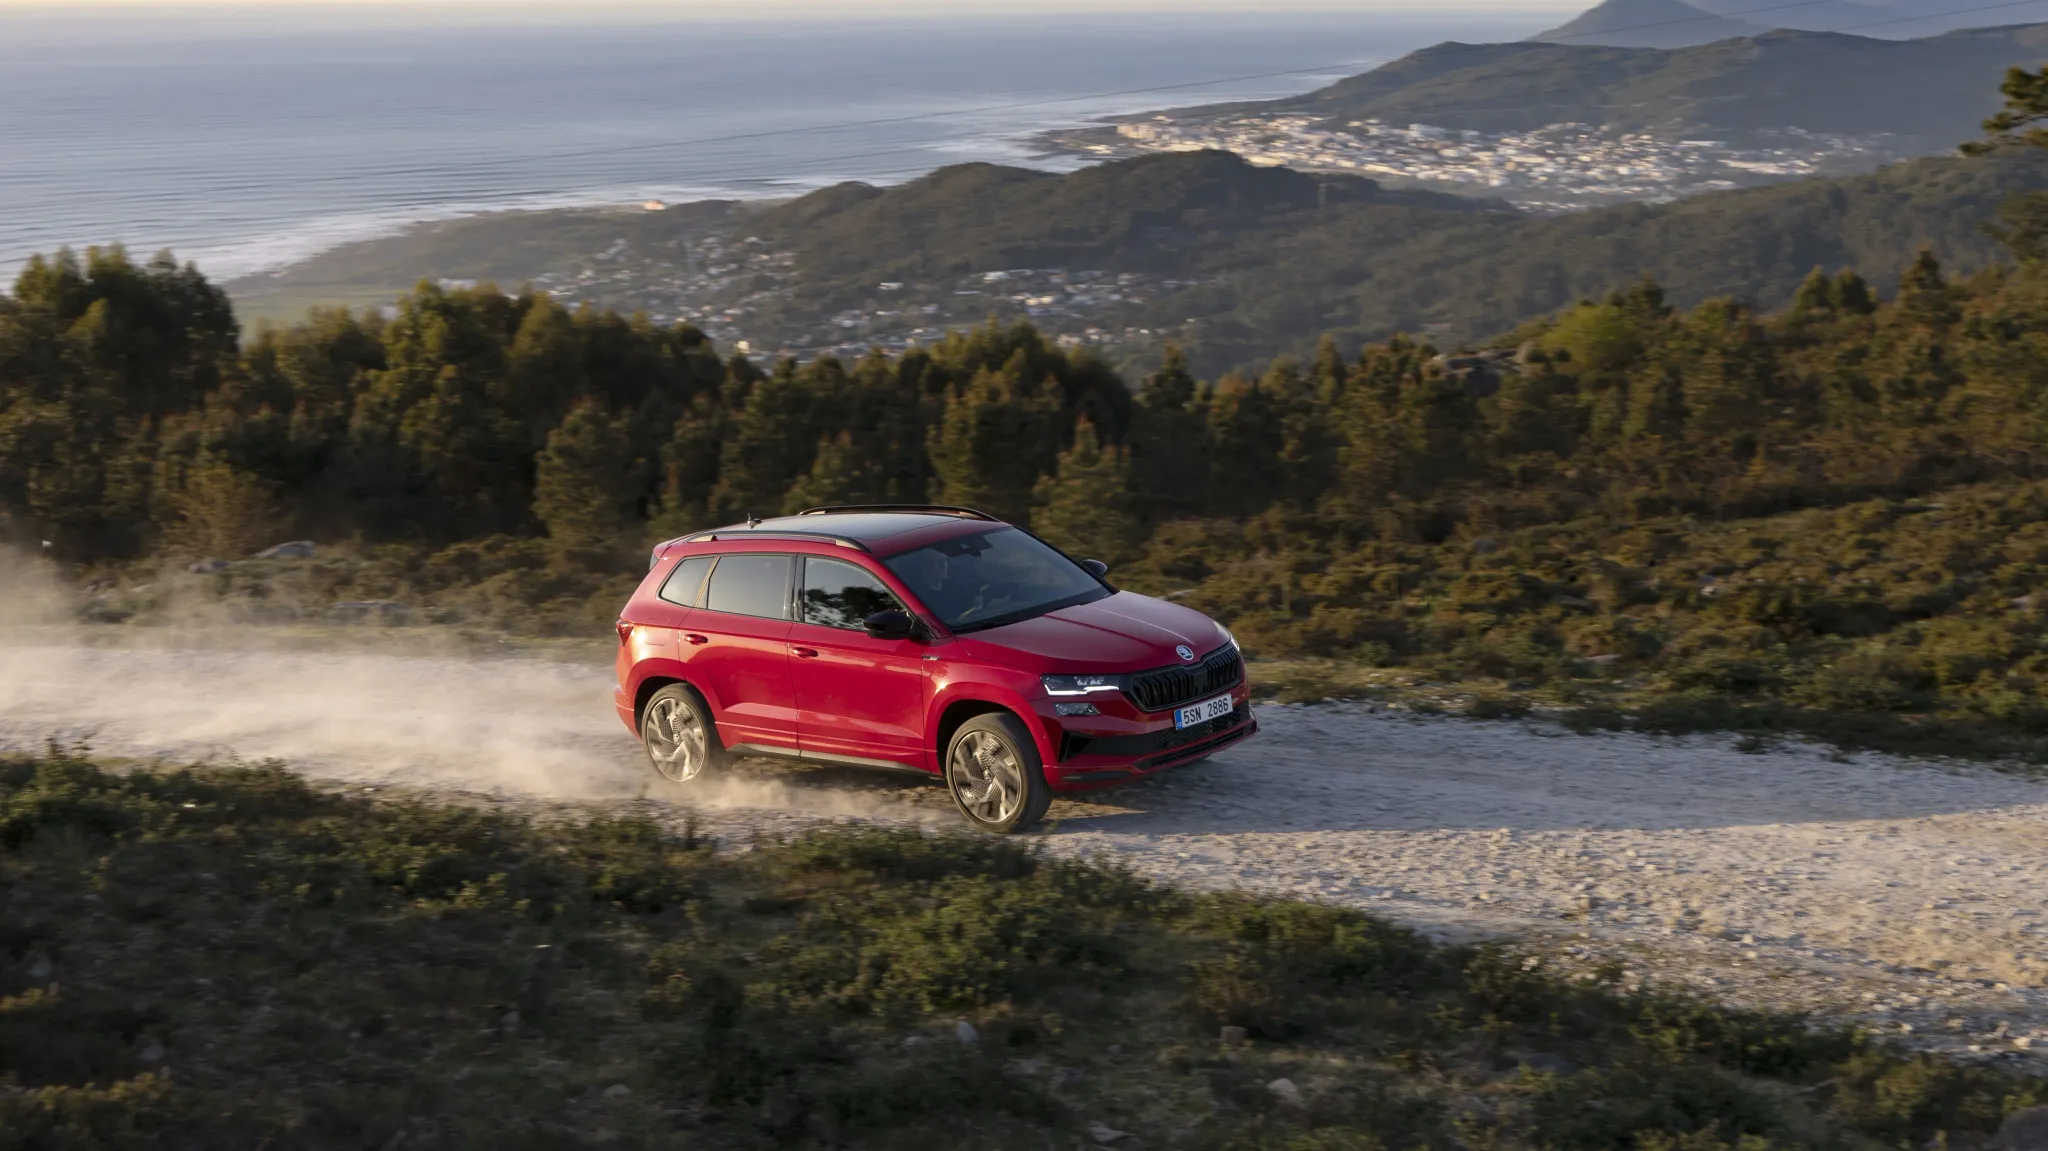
{"points": [[1931, 93], [1649, 24], [1368, 262], [1690, 23]]}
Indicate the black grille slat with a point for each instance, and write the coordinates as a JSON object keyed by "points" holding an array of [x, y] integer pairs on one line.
{"points": [[1171, 687]]}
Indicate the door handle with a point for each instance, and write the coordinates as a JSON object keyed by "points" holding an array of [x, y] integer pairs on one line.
{"points": [[804, 652], [698, 640]]}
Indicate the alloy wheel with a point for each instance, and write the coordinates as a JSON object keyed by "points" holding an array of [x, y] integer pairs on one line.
{"points": [[986, 776], [676, 740]]}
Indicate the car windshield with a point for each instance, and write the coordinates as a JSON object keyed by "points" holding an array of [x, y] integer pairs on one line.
{"points": [[992, 578]]}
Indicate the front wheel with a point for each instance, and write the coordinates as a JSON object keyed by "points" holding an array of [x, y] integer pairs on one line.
{"points": [[682, 743], [995, 774]]}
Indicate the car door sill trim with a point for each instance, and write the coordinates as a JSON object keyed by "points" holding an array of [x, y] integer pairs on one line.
{"points": [[770, 752]]}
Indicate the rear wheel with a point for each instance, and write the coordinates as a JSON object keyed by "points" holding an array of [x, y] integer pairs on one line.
{"points": [[995, 774], [682, 743]]}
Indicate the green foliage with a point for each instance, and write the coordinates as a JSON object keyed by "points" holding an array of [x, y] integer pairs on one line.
{"points": [[1084, 507], [585, 484], [231, 958]]}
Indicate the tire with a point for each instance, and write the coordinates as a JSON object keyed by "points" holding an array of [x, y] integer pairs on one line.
{"points": [[681, 741], [995, 774]]}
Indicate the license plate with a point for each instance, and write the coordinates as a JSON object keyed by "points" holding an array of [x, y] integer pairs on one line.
{"points": [[1195, 714]]}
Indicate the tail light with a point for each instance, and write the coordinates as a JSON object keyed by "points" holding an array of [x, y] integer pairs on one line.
{"points": [[625, 631]]}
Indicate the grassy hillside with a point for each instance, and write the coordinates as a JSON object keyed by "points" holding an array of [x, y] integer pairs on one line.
{"points": [[232, 960]]}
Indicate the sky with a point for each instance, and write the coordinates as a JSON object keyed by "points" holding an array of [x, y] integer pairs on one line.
{"points": [[582, 10]]}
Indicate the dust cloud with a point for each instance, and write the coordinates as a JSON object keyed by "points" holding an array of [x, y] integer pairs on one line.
{"points": [[380, 707], [31, 593]]}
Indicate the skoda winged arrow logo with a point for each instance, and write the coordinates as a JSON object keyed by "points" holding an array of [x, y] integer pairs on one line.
{"points": [[1185, 652]]}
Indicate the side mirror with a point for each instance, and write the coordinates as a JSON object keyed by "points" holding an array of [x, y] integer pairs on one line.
{"points": [[891, 624], [1096, 568]]}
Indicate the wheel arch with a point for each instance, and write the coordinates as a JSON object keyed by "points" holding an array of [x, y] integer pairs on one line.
{"points": [[956, 715], [648, 687]]}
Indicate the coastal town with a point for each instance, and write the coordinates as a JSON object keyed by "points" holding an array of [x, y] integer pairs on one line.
{"points": [[1562, 167], [742, 292]]}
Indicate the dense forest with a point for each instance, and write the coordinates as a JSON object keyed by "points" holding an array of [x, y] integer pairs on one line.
{"points": [[1833, 510]]}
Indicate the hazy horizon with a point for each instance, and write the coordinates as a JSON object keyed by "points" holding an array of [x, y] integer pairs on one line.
{"points": [[357, 12]]}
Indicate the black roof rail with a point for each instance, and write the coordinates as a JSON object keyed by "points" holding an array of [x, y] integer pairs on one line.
{"points": [[742, 532], [928, 509]]}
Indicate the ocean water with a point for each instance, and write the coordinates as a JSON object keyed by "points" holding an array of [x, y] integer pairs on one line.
{"points": [[251, 143]]}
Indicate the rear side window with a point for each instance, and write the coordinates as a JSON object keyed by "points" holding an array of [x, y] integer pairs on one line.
{"points": [[838, 594], [751, 585], [685, 585]]}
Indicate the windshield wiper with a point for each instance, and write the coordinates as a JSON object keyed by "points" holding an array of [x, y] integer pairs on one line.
{"points": [[1028, 613]]}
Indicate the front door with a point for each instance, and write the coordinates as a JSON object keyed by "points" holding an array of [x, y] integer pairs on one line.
{"points": [[737, 650], [857, 696]]}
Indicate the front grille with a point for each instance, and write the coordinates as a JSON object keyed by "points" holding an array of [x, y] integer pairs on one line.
{"points": [[1171, 687], [1153, 742]]}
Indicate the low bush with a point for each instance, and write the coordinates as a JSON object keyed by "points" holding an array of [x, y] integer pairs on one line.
{"points": [[233, 959]]}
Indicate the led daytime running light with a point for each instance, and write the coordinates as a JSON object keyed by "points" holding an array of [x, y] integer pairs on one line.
{"points": [[1069, 685]]}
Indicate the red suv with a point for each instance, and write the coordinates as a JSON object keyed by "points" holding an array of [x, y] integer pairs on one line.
{"points": [[928, 639]]}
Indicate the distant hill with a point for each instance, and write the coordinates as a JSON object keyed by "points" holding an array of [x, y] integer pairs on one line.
{"points": [[1282, 264], [1649, 24], [1688, 23], [1275, 257], [1931, 93], [1825, 16], [1158, 213]]}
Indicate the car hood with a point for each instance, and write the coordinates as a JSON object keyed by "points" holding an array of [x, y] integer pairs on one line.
{"points": [[1126, 632]]}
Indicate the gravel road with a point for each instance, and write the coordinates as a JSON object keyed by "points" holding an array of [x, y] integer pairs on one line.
{"points": [[1909, 896]]}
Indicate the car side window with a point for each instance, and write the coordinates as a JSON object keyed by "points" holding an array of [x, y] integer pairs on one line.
{"points": [[839, 594], [685, 585], [751, 585]]}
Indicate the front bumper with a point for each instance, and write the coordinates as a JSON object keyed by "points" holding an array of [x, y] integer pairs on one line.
{"points": [[1094, 757]]}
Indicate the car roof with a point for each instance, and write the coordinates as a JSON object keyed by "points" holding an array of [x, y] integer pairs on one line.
{"points": [[880, 532]]}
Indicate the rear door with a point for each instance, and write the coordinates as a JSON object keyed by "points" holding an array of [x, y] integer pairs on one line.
{"points": [[657, 619], [737, 649], [857, 696]]}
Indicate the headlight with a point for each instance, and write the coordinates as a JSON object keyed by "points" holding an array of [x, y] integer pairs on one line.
{"points": [[1231, 638], [1081, 684]]}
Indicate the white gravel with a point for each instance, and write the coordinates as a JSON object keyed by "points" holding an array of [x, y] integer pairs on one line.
{"points": [[1909, 896]]}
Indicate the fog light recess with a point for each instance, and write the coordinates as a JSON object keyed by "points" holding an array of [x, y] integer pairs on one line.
{"points": [[1075, 709]]}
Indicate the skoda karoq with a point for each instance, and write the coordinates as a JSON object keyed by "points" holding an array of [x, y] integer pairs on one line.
{"points": [[927, 639]]}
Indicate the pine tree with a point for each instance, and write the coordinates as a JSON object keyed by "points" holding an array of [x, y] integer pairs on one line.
{"points": [[1816, 295], [839, 475], [690, 468], [1853, 296], [1246, 430], [768, 444], [2023, 221], [585, 486], [1170, 444], [1925, 297], [992, 444], [1084, 507], [217, 511]]}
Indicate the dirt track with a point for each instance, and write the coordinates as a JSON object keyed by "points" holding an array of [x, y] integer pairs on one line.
{"points": [[1911, 896]]}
